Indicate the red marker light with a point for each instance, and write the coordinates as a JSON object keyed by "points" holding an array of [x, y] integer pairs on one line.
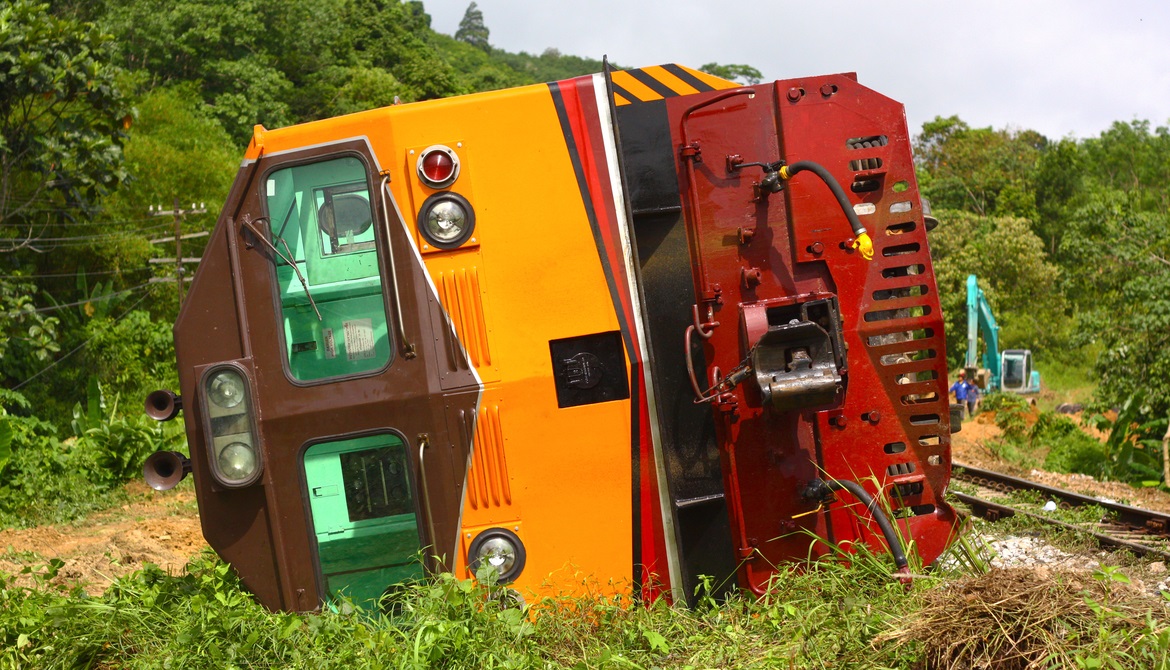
{"points": [[438, 166]]}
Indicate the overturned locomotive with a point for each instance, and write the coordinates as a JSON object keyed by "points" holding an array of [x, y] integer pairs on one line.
{"points": [[623, 330]]}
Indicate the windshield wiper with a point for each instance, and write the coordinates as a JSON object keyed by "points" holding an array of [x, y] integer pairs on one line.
{"points": [[247, 223]]}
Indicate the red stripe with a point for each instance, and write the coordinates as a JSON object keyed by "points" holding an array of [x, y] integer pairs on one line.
{"points": [[584, 119]]}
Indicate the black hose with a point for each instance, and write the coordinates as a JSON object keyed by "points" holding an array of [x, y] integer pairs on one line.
{"points": [[878, 515], [819, 170]]}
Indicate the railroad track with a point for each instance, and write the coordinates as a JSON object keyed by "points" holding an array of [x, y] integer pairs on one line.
{"points": [[1141, 531]]}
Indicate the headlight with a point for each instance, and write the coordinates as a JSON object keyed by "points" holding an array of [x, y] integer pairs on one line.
{"points": [[499, 548], [226, 389], [237, 461], [233, 453], [446, 220]]}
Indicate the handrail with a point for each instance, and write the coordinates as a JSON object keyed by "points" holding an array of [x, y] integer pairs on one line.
{"points": [[423, 442], [408, 348]]}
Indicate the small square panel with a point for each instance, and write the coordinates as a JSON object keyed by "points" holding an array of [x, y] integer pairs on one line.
{"points": [[589, 369]]}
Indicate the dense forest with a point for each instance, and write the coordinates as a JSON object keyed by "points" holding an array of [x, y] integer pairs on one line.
{"points": [[111, 113]]}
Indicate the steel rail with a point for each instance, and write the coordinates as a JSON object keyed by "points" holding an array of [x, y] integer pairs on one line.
{"points": [[1149, 521], [994, 511]]}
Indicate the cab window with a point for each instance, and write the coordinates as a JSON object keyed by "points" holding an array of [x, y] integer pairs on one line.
{"points": [[321, 218]]}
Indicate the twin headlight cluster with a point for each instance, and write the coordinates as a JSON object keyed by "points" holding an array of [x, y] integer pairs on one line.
{"points": [[446, 219], [235, 460]]}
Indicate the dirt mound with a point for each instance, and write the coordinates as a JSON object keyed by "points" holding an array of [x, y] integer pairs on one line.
{"points": [[159, 528]]}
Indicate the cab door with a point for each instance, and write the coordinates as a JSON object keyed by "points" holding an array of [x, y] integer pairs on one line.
{"points": [[364, 451]]}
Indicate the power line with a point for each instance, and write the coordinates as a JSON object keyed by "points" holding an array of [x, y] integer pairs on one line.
{"points": [[87, 273], [103, 298], [79, 347]]}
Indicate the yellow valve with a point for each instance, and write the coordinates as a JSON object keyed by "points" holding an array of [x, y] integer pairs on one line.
{"points": [[864, 245]]}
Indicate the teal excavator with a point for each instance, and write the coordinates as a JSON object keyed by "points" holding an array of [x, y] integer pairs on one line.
{"points": [[1008, 371]]}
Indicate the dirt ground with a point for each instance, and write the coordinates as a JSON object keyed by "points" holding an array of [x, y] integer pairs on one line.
{"points": [[155, 527], [973, 445]]}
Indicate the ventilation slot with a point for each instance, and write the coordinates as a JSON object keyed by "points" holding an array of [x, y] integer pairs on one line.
{"points": [[901, 228], [865, 185], [900, 207], [902, 292], [934, 460], [487, 480], [460, 294], [929, 440], [865, 164], [914, 510], [901, 249], [899, 337], [904, 357], [908, 489], [903, 270], [870, 142], [923, 419], [900, 469], [890, 314], [895, 447], [919, 398]]}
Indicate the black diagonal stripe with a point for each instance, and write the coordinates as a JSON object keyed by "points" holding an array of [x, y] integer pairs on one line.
{"points": [[623, 92], [590, 213], [689, 78], [653, 84]]}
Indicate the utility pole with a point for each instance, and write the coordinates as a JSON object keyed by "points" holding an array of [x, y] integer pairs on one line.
{"points": [[178, 214]]}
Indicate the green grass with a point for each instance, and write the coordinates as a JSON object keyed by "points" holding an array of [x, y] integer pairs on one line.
{"points": [[822, 615]]}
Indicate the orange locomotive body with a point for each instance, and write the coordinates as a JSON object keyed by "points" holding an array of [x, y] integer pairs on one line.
{"points": [[598, 332]]}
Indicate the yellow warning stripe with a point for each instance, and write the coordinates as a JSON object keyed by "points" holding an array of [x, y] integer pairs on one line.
{"points": [[619, 100], [634, 87], [669, 80], [711, 80]]}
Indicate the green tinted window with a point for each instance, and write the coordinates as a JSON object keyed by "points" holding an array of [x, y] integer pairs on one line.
{"points": [[362, 505], [322, 218]]}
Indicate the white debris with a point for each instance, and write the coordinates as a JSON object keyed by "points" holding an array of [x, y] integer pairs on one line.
{"points": [[1050, 506]]}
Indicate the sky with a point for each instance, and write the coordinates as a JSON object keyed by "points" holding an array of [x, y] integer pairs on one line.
{"points": [[1067, 68]]}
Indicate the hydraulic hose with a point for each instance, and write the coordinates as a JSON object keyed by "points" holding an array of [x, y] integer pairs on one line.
{"points": [[878, 515], [861, 240]]}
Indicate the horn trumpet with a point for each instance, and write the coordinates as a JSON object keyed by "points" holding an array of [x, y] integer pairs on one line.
{"points": [[163, 405], [164, 470]]}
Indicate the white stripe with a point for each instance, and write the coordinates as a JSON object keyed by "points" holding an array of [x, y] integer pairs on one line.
{"points": [[619, 201]]}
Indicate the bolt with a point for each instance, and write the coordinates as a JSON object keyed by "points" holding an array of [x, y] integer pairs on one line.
{"points": [[837, 421], [816, 248], [751, 277], [827, 90], [746, 234], [874, 416], [794, 94]]}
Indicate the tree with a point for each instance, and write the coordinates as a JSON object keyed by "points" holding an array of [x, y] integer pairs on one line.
{"points": [[472, 29], [744, 74], [980, 170], [62, 121]]}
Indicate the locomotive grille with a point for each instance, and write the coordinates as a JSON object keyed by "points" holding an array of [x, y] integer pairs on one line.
{"points": [[459, 291], [487, 480]]}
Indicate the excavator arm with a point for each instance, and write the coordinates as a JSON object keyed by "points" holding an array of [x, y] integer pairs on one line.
{"points": [[980, 318]]}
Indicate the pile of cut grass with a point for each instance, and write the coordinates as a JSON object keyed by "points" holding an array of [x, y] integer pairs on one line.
{"points": [[1023, 618]]}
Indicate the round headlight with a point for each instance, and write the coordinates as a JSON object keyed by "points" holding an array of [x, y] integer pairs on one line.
{"points": [[446, 220], [499, 548], [237, 461], [226, 389], [438, 166]]}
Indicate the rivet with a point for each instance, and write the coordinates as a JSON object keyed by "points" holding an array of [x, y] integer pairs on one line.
{"points": [[794, 94], [816, 248]]}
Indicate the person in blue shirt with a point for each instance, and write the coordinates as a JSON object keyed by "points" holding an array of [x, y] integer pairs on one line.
{"points": [[961, 389]]}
